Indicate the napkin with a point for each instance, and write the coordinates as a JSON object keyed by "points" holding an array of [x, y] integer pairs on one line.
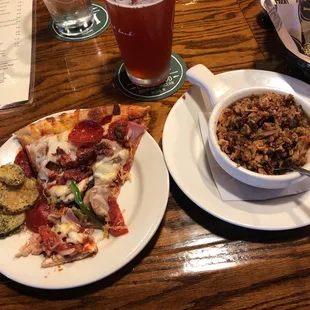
{"points": [[16, 74], [232, 189], [292, 23]]}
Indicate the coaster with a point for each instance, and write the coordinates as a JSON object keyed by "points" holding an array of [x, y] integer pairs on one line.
{"points": [[101, 23], [173, 83]]}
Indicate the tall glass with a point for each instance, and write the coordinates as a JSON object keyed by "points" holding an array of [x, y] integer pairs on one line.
{"points": [[143, 30], [71, 17]]}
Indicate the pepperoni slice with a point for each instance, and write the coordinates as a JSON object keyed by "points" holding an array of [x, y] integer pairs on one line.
{"points": [[21, 160], [86, 133], [38, 216], [116, 219]]}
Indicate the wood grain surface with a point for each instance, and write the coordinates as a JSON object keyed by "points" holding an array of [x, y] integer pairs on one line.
{"points": [[194, 261]]}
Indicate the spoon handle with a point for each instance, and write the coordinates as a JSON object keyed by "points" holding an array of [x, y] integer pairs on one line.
{"points": [[301, 170]]}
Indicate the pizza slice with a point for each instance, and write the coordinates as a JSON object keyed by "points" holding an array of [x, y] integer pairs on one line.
{"points": [[66, 241], [93, 148]]}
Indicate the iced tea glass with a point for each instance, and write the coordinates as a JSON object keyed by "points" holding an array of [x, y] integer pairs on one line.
{"points": [[143, 30], [71, 17]]}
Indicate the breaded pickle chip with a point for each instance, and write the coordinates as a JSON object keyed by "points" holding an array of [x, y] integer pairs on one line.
{"points": [[12, 174], [9, 223], [16, 199]]}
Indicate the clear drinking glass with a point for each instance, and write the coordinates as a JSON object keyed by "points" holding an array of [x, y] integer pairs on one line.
{"points": [[71, 17], [143, 30]]}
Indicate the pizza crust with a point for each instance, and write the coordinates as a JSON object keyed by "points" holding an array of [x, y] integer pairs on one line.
{"points": [[57, 260], [66, 121]]}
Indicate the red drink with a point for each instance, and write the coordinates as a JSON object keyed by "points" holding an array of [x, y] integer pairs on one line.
{"points": [[143, 30]]}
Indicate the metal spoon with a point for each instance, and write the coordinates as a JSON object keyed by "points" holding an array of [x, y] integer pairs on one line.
{"points": [[298, 169]]}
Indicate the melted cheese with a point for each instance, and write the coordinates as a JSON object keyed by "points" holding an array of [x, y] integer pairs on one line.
{"points": [[76, 237], [44, 151], [63, 192], [38, 152], [59, 190], [107, 168], [62, 142], [66, 228], [105, 171]]}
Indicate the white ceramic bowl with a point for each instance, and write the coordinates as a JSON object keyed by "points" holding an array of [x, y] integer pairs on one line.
{"points": [[222, 96]]}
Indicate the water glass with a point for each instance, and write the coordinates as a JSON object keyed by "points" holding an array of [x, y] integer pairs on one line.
{"points": [[71, 17]]}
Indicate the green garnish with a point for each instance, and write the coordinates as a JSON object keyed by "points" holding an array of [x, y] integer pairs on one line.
{"points": [[79, 214], [79, 201]]}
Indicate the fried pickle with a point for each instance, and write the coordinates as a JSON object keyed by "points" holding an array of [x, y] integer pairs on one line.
{"points": [[17, 199], [12, 174]]}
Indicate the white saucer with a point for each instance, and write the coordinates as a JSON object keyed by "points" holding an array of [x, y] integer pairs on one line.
{"points": [[185, 157]]}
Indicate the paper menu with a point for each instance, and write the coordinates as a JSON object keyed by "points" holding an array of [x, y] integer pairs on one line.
{"points": [[15, 51]]}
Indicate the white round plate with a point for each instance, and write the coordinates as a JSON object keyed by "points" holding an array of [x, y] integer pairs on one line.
{"points": [[144, 199], [186, 160]]}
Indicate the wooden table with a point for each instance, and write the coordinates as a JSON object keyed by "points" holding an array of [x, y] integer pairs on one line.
{"points": [[194, 261]]}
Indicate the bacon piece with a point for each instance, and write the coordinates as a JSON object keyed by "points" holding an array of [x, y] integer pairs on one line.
{"points": [[86, 155], [77, 174], [51, 242], [52, 170], [106, 148], [52, 166], [65, 159]]}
